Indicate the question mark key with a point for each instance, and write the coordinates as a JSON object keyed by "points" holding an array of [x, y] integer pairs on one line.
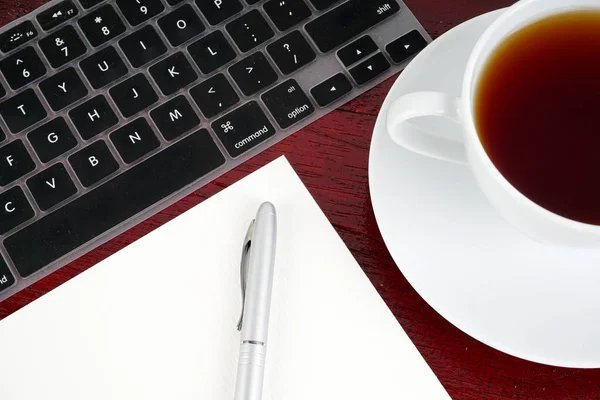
{"points": [[291, 52]]}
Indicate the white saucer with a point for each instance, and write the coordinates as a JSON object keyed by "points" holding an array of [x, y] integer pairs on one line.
{"points": [[527, 299]]}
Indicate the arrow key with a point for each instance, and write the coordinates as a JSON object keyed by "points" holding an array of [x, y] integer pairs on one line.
{"points": [[214, 95], [370, 69], [330, 90], [405, 47], [357, 50]]}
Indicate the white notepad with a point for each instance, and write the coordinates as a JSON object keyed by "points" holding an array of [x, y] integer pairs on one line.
{"points": [[158, 319]]}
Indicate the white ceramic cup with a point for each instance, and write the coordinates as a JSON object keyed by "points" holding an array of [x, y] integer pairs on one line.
{"points": [[523, 213]]}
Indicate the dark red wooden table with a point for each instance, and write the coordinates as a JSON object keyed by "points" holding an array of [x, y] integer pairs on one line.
{"points": [[331, 157]]}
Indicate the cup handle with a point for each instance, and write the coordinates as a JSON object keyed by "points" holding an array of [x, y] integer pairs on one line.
{"points": [[411, 137]]}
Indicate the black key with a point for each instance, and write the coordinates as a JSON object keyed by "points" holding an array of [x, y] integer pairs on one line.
{"points": [[181, 25], [22, 68], [51, 186], [14, 210], [89, 3], [56, 15], [173, 73], [63, 89], [2, 135], [134, 140], [15, 37], [62, 46], [253, 73], [291, 52], [143, 46], [349, 20], [243, 128], [249, 30], [114, 202], [15, 162], [93, 163], [286, 14], [370, 69], [175, 118], [323, 4], [211, 52], [407, 46], [252, 1], [287, 103], [174, 2], [332, 89], [133, 95], [217, 11], [138, 11], [93, 117], [103, 67], [2, 91], [357, 50], [52, 139], [214, 95], [101, 25], [6, 278], [22, 111]]}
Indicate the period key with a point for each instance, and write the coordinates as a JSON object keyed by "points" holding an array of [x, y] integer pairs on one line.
{"points": [[288, 103]]}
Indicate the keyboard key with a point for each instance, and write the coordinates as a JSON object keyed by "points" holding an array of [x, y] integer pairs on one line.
{"points": [[357, 50], [135, 190], [253, 74], [181, 25], [287, 103], [93, 163], [62, 46], [52, 139], [134, 140], [138, 11], [56, 15], [174, 2], [405, 47], [63, 89], [101, 25], [51, 186], [103, 68], [143, 46], [249, 30], [291, 52], [22, 68], [211, 52], [15, 162], [243, 128], [22, 111], [286, 14], [370, 69], [175, 118], [14, 210], [2, 135], [89, 3], [323, 4], [218, 11], [93, 117], [173, 73], [2, 91], [6, 278], [349, 20], [214, 95], [250, 2], [133, 95], [15, 37], [332, 89]]}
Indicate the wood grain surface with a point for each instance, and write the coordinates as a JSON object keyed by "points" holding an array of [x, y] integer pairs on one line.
{"points": [[331, 157]]}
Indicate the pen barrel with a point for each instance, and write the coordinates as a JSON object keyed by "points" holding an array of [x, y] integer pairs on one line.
{"points": [[251, 369]]}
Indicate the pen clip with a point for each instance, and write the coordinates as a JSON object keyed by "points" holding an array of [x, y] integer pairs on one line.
{"points": [[244, 269]]}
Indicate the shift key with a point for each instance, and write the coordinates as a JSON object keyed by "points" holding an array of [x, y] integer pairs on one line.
{"points": [[350, 19]]}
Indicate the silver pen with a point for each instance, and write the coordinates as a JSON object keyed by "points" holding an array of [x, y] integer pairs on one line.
{"points": [[256, 275]]}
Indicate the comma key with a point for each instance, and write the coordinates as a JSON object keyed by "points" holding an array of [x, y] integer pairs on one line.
{"points": [[243, 128], [288, 103]]}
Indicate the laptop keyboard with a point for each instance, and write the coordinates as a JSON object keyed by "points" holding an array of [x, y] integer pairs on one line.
{"points": [[112, 110]]}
